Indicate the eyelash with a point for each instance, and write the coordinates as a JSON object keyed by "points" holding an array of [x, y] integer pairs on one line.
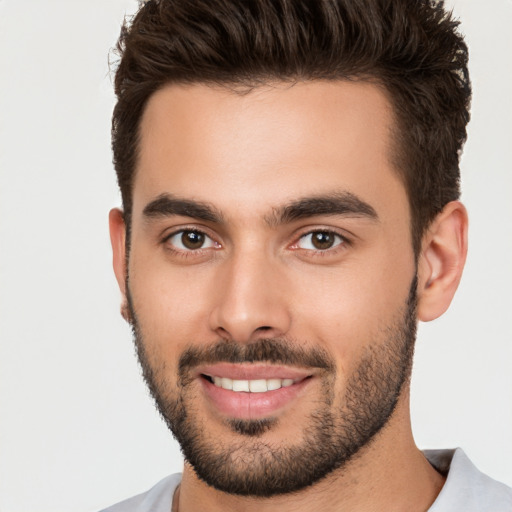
{"points": [[187, 253], [343, 244]]}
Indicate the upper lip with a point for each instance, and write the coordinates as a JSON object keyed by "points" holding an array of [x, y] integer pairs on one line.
{"points": [[253, 371]]}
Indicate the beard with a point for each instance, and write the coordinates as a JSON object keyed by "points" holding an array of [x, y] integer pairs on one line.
{"points": [[246, 464]]}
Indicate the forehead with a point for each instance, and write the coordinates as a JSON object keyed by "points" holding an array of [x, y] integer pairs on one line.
{"points": [[266, 147]]}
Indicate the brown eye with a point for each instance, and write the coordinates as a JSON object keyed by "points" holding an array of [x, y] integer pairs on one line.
{"points": [[320, 240], [190, 240]]}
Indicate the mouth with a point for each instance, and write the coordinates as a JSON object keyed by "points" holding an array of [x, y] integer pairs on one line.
{"points": [[250, 391], [249, 386]]}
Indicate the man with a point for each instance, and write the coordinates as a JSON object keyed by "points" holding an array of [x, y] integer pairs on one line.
{"points": [[290, 183]]}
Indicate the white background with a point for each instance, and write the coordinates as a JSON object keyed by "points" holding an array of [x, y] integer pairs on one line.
{"points": [[77, 429]]}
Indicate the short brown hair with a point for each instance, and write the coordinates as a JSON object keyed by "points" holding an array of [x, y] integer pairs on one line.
{"points": [[410, 47]]}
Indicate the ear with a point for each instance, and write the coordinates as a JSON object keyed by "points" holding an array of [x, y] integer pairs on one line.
{"points": [[118, 240], [441, 261]]}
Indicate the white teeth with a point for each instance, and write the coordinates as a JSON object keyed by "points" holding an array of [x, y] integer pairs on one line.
{"points": [[240, 385], [258, 386], [226, 383], [274, 384], [253, 386]]}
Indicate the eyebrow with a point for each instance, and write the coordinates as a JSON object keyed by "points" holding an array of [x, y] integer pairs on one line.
{"points": [[167, 205], [341, 203]]}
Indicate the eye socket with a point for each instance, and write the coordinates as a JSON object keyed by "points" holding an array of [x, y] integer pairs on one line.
{"points": [[190, 240], [320, 241]]}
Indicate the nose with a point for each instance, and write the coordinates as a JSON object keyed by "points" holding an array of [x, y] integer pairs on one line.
{"points": [[251, 301]]}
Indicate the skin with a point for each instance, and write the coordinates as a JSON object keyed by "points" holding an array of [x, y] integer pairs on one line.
{"points": [[248, 156]]}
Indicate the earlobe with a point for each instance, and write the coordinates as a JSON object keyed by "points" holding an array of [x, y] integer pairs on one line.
{"points": [[118, 240], [441, 261]]}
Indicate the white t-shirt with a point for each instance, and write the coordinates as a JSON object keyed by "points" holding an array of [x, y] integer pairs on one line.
{"points": [[466, 489]]}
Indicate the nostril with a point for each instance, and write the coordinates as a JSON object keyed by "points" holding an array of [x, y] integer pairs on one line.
{"points": [[264, 328]]}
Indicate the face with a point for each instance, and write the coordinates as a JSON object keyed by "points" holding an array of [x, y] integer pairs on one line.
{"points": [[271, 277]]}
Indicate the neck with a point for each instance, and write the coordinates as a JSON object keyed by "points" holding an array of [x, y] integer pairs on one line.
{"points": [[390, 473]]}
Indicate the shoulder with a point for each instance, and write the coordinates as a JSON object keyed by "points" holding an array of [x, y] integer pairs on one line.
{"points": [[157, 499], [466, 488]]}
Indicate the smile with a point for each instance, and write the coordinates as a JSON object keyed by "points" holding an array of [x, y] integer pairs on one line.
{"points": [[250, 386], [252, 391]]}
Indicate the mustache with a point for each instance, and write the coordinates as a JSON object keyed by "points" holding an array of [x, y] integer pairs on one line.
{"points": [[265, 350]]}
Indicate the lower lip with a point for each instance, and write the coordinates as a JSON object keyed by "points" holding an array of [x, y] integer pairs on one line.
{"points": [[244, 405]]}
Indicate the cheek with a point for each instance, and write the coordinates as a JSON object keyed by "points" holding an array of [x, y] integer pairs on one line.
{"points": [[170, 304], [345, 309]]}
